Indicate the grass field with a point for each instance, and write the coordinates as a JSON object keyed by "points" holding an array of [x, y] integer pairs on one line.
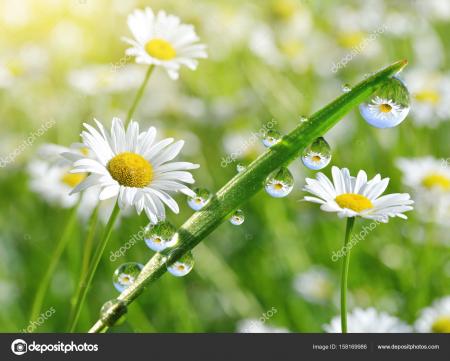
{"points": [[268, 62]]}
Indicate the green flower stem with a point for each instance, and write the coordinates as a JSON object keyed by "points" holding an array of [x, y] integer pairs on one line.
{"points": [[87, 247], [87, 280], [247, 183], [83, 287], [54, 260], [344, 276], [139, 94]]}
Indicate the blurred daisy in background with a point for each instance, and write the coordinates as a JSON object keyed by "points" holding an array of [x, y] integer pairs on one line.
{"points": [[54, 183], [131, 167], [430, 180], [162, 40], [355, 196], [50, 177], [434, 9], [28, 62], [435, 318], [253, 325], [430, 96], [314, 285], [98, 79], [369, 321]]}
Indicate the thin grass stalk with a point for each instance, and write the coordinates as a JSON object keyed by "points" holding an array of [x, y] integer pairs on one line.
{"points": [[87, 281], [54, 260]]}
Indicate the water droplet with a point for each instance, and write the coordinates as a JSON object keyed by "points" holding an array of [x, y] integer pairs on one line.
{"points": [[271, 137], [346, 88], [113, 312], [302, 119], [160, 236], [317, 155], [202, 196], [125, 275], [237, 218], [240, 167], [388, 106], [279, 183], [183, 266]]}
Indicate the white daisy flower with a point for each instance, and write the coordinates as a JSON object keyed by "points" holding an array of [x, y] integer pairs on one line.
{"points": [[355, 196], [162, 40], [368, 321], [430, 96], [54, 183], [258, 326], [314, 285], [435, 318], [383, 113], [51, 179], [131, 167], [430, 180], [426, 174]]}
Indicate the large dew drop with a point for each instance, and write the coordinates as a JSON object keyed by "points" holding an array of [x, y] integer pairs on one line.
{"points": [[279, 183], [202, 196], [271, 137], [388, 106], [183, 266], [160, 236], [237, 218], [113, 312], [317, 155], [125, 275]]}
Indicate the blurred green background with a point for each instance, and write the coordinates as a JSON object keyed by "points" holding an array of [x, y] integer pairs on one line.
{"points": [[63, 61]]}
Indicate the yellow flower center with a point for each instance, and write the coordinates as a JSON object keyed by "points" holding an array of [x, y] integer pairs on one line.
{"points": [[181, 267], [160, 49], [126, 279], [435, 180], [284, 9], [430, 96], [351, 39], [72, 180], [278, 186], [130, 170], [441, 325], [291, 48], [316, 158], [355, 202], [385, 108]]}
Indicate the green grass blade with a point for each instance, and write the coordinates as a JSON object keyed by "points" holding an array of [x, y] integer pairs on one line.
{"points": [[247, 183]]}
